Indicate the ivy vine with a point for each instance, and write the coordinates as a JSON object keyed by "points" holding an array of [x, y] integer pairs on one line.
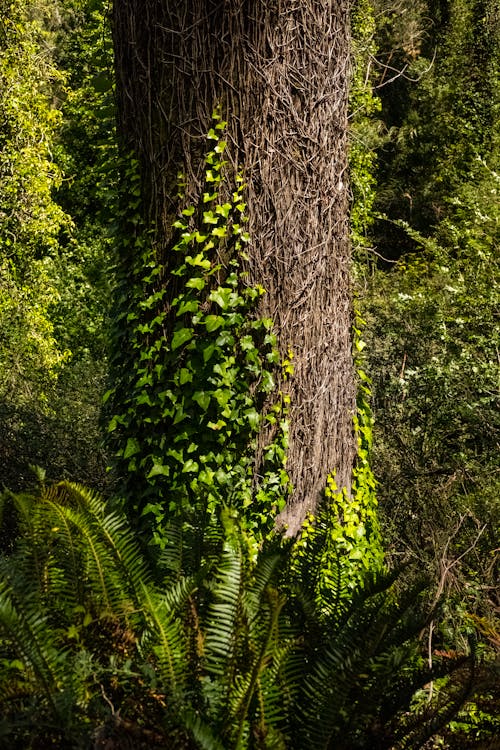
{"points": [[199, 370]]}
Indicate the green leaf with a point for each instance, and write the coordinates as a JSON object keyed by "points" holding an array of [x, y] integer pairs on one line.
{"points": [[208, 352], [219, 231], [202, 399], [212, 322], [158, 469], [198, 260], [185, 376], [188, 306], [196, 282], [253, 417], [131, 448], [180, 337], [223, 210], [209, 217], [221, 296]]}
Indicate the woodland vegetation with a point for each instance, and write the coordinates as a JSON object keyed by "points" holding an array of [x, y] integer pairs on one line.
{"points": [[194, 354]]}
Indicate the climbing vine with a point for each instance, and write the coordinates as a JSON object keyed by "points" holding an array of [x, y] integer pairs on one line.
{"points": [[344, 537], [200, 367]]}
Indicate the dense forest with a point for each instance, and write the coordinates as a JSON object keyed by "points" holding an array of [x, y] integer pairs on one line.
{"points": [[249, 374]]}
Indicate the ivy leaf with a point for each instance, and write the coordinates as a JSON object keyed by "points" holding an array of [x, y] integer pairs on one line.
{"points": [[196, 282], [208, 352], [202, 399], [219, 231], [253, 417], [223, 210], [209, 217], [180, 337], [185, 376], [107, 395], [188, 306], [131, 448], [221, 296], [198, 260], [158, 469], [212, 322]]}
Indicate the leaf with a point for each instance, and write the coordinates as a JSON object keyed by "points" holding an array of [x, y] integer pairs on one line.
{"points": [[209, 217], [202, 399], [180, 337], [212, 322], [223, 210], [221, 296], [198, 260], [185, 376], [158, 469], [219, 231], [196, 282], [131, 448], [208, 352], [253, 417], [188, 306], [107, 395]]}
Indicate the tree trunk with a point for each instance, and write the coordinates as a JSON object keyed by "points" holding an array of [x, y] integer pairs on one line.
{"points": [[279, 69]]}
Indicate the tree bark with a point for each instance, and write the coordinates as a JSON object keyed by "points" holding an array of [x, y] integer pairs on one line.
{"points": [[279, 69]]}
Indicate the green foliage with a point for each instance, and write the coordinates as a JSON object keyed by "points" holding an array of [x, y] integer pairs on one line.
{"points": [[443, 115], [432, 319], [364, 107], [53, 285], [199, 370], [97, 644], [30, 220]]}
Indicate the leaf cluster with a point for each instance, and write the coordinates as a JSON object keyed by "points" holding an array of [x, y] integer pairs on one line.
{"points": [[198, 367]]}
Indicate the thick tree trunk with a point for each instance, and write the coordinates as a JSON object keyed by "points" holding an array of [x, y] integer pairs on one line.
{"points": [[280, 70]]}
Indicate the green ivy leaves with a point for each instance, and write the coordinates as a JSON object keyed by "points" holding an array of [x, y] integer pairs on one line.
{"points": [[203, 364]]}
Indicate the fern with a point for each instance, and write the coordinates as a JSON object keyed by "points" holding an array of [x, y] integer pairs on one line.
{"points": [[94, 639]]}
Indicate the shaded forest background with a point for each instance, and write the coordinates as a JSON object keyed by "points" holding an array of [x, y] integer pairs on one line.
{"points": [[425, 214]]}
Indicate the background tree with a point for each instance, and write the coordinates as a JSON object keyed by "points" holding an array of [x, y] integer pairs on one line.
{"points": [[53, 254]]}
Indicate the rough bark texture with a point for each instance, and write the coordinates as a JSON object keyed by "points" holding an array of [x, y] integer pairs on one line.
{"points": [[280, 70]]}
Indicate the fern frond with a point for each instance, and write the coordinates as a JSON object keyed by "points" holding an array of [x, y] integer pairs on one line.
{"points": [[201, 731], [166, 635], [226, 608], [33, 641]]}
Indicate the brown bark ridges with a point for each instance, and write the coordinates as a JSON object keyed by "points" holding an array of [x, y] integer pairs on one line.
{"points": [[280, 71]]}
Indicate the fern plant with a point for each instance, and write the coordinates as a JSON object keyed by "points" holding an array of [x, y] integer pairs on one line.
{"points": [[97, 644], [83, 621]]}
